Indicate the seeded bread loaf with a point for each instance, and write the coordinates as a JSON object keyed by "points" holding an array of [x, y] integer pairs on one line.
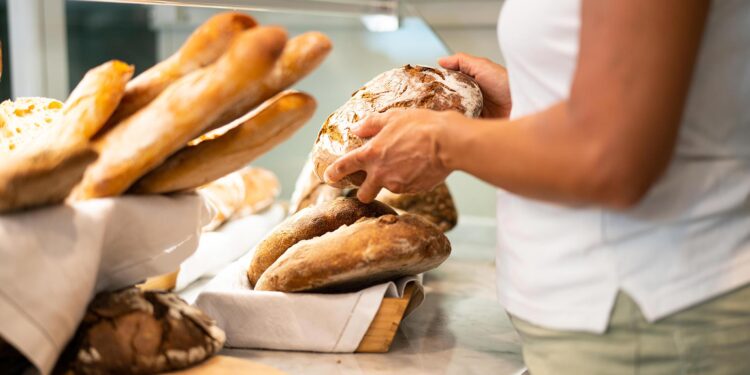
{"points": [[309, 223], [406, 87], [352, 257]]}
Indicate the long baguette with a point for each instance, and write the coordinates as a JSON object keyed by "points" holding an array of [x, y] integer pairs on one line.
{"points": [[93, 101], [222, 153], [204, 46], [301, 56], [179, 114]]}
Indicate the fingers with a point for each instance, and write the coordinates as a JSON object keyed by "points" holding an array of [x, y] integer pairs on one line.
{"points": [[369, 190], [464, 63], [350, 163], [370, 126]]}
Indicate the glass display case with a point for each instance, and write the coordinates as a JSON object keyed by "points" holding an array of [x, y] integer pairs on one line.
{"points": [[50, 44]]}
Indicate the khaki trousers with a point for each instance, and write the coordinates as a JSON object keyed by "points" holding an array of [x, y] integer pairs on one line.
{"points": [[710, 338]]}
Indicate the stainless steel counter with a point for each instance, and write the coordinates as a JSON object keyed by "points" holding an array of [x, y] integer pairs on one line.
{"points": [[459, 329]]}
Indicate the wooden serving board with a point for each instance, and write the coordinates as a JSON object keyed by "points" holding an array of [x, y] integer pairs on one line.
{"points": [[221, 365], [382, 330]]}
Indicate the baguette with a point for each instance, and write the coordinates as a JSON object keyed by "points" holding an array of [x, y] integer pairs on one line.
{"points": [[179, 114], [370, 251], [310, 223], [93, 101], [204, 46], [301, 56], [220, 153]]}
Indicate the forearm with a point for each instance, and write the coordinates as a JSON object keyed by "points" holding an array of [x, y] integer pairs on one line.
{"points": [[549, 156]]}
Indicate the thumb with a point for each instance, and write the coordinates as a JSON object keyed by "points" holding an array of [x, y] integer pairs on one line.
{"points": [[370, 126], [462, 62]]}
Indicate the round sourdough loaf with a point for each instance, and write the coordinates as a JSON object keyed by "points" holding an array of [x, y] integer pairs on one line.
{"points": [[406, 87], [370, 251], [135, 332], [311, 222], [435, 205]]}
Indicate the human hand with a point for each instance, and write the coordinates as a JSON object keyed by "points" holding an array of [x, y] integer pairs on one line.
{"points": [[492, 79], [402, 154]]}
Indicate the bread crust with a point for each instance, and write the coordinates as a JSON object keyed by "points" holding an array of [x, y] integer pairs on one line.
{"points": [[204, 46], [368, 252], [180, 113], [301, 55], [311, 222], [406, 87], [435, 205], [226, 150]]}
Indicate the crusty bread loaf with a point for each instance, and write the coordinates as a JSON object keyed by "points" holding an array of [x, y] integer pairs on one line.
{"points": [[240, 193], [179, 114], [228, 149], [309, 190], [140, 332], [368, 252], [24, 119], [52, 160], [301, 55], [435, 205], [407, 87], [309, 223], [204, 46]]}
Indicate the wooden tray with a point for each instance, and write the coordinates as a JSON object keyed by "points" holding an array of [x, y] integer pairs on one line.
{"points": [[379, 335], [382, 330]]}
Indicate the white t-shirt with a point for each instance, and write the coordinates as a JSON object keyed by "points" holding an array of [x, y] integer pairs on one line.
{"points": [[687, 241]]}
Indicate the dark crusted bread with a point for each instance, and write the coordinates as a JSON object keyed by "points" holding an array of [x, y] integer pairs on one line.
{"points": [[368, 252], [137, 332], [311, 222], [435, 205], [406, 87]]}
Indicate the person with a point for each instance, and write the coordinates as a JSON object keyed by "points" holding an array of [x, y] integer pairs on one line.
{"points": [[619, 139]]}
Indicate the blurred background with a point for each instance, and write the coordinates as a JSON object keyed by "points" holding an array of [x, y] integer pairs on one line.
{"points": [[48, 45]]}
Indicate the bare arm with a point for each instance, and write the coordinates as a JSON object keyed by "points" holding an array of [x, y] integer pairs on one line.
{"points": [[606, 145]]}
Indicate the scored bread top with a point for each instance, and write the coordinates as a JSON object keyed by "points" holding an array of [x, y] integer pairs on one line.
{"points": [[411, 86], [24, 119]]}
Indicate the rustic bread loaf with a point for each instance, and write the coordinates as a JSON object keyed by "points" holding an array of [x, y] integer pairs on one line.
{"points": [[435, 205], [368, 252], [240, 193], [136, 332], [229, 148], [311, 222], [204, 46], [180, 113], [406, 87]]}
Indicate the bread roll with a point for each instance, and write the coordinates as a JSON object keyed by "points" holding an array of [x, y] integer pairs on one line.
{"points": [[370, 251], [180, 113], [136, 332], [301, 55], [435, 205], [309, 223], [407, 87], [204, 46], [228, 149]]}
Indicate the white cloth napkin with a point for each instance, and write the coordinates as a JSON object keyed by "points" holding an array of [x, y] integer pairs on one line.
{"points": [[294, 321], [232, 240], [53, 260]]}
